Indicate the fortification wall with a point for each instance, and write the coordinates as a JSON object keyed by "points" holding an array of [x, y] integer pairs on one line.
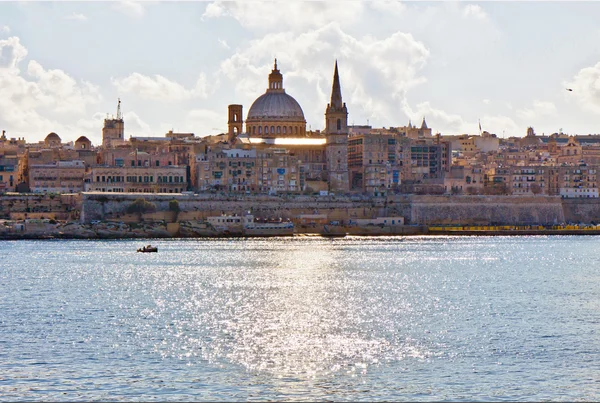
{"points": [[416, 209], [195, 207], [495, 210], [581, 210]]}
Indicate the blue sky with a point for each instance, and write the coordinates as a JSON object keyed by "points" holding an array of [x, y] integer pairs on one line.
{"points": [[177, 65]]}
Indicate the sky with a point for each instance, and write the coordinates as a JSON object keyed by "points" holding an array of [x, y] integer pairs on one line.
{"points": [[178, 65]]}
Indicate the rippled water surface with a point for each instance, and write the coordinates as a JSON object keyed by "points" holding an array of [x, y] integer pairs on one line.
{"points": [[392, 318]]}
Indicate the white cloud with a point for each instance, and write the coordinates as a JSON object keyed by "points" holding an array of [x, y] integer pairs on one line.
{"points": [[11, 53], [375, 73], [538, 110], [160, 88], [76, 16], [503, 126], [586, 88], [486, 101], [205, 121], [135, 124], [223, 43], [392, 7], [33, 106], [474, 11], [5, 29], [133, 9], [437, 119], [288, 15]]}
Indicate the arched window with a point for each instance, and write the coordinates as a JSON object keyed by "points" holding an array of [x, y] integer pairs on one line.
{"points": [[278, 129], [253, 129], [284, 130], [235, 117], [272, 129], [259, 130], [296, 129], [266, 129], [339, 124]]}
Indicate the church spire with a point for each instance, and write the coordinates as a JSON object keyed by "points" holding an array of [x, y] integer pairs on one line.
{"points": [[336, 90]]}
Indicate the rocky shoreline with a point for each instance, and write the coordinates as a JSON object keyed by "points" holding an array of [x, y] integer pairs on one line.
{"points": [[49, 229]]}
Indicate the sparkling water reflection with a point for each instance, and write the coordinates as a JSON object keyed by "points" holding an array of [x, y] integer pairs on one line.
{"points": [[393, 318]]}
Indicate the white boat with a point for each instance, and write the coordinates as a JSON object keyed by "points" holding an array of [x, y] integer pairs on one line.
{"points": [[248, 225], [258, 227]]}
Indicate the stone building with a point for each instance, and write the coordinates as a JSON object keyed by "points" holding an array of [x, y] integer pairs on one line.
{"points": [[137, 179], [57, 177], [270, 170]]}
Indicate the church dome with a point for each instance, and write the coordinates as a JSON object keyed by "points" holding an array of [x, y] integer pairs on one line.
{"points": [[276, 106], [52, 137], [275, 113]]}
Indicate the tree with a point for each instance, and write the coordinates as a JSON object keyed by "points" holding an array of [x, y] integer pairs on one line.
{"points": [[174, 207], [535, 189], [141, 206]]}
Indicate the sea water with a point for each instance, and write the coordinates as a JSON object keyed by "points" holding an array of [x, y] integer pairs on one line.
{"points": [[356, 318]]}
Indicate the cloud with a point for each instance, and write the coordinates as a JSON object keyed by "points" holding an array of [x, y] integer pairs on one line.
{"points": [[539, 109], [5, 29], [205, 121], [474, 11], [133, 9], [375, 73], [223, 43], [287, 15], [438, 120], [76, 17], [586, 88], [135, 124], [11, 53], [392, 7], [159, 88], [32, 104]]}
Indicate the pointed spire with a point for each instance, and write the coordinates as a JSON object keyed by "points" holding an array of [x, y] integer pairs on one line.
{"points": [[424, 124], [336, 90], [275, 65]]}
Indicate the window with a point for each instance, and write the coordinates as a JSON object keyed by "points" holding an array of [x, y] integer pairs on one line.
{"points": [[157, 163], [339, 124]]}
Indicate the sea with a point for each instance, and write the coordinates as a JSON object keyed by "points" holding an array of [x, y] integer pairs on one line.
{"points": [[427, 318]]}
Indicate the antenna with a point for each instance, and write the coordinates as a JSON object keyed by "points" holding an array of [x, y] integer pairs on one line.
{"points": [[119, 115]]}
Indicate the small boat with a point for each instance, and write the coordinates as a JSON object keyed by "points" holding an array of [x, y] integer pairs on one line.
{"points": [[148, 248]]}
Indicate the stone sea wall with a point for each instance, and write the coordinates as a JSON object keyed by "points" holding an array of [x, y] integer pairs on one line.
{"points": [[416, 209], [487, 210]]}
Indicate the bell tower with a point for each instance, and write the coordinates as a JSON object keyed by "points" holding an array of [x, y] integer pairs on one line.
{"points": [[336, 132], [234, 123], [114, 129]]}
